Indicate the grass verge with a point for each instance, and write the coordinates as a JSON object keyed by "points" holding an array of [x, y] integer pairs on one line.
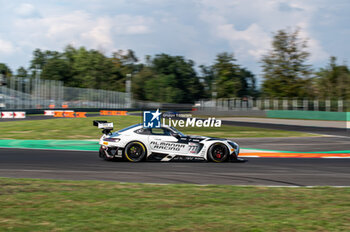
{"points": [[52, 205], [81, 128]]}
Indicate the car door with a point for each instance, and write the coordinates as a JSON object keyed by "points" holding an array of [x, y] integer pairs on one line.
{"points": [[160, 140]]}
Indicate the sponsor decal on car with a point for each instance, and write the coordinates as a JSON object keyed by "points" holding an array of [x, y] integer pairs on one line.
{"points": [[168, 146]]}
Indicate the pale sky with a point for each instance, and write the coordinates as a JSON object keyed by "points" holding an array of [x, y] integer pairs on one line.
{"points": [[196, 29]]}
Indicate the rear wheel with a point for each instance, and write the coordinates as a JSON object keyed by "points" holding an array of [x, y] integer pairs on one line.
{"points": [[135, 151], [218, 152]]}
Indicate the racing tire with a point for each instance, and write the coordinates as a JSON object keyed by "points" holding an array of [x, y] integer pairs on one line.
{"points": [[135, 151], [218, 152]]}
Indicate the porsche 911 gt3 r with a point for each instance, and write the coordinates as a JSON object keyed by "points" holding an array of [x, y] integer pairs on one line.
{"points": [[136, 143]]}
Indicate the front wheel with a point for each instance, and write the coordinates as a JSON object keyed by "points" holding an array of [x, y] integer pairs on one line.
{"points": [[135, 152], [218, 152]]}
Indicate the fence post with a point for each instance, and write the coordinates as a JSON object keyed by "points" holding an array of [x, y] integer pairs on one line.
{"points": [[19, 102], [316, 105], [250, 102], [11, 93], [267, 103], [340, 105], [305, 104], [295, 104], [285, 104], [275, 104], [244, 103], [258, 103], [328, 105]]}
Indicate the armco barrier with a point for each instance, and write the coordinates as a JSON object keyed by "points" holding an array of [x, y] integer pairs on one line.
{"points": [[57, 113], [69, 114], [12, 114], [316, 115], [113, 112], [6, 114], [49, 112], [19, 114]]}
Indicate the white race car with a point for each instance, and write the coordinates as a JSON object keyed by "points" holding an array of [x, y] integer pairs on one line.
{"points": [[136, 143]]}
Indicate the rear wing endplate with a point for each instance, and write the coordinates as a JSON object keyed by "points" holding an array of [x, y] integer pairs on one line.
{"points": [[106, 126]]}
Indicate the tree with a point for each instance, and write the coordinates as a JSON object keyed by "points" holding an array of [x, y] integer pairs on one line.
{"points": [[228, 82], [125, 63], [229, 78], [208, 79], [162, 78], [333, 81], [166, 78], [57, 69], [248, 83], [178, 78], [286, 73], [40, 59], [22, 72], [5, 70], [139, 82]]}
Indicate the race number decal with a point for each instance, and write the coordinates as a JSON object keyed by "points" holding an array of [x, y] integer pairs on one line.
{"points": [[193, 147]]}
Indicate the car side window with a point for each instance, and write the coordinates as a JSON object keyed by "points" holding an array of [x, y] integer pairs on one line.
{"points": [[160, 131], [143, 131]]}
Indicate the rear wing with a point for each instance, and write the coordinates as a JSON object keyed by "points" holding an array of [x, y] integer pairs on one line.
{"points": [[106, 126]]}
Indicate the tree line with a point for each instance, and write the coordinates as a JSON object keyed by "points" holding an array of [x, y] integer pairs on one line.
{"points": [[175, 79], [286, 72]]}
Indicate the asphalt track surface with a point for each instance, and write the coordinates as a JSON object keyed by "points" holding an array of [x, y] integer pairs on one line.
{"points": [[76, 165]]}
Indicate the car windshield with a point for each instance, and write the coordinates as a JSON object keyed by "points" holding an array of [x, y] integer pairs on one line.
{"points": [[178, 132]]}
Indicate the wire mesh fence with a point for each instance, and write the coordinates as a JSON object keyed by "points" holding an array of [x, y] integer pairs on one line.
{"points": [[25, 93], [227, 104], [35, 93]]}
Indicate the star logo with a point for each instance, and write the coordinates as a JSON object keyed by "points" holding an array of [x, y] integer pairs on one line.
{"points": [[151, 119], [156, 115]]}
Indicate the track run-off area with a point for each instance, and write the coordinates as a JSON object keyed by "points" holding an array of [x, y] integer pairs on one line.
{"points": [[298, 147]]}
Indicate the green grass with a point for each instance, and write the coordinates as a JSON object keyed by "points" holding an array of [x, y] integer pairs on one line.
{"points": [[81, 128], [52, 205], [65, 128]]}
